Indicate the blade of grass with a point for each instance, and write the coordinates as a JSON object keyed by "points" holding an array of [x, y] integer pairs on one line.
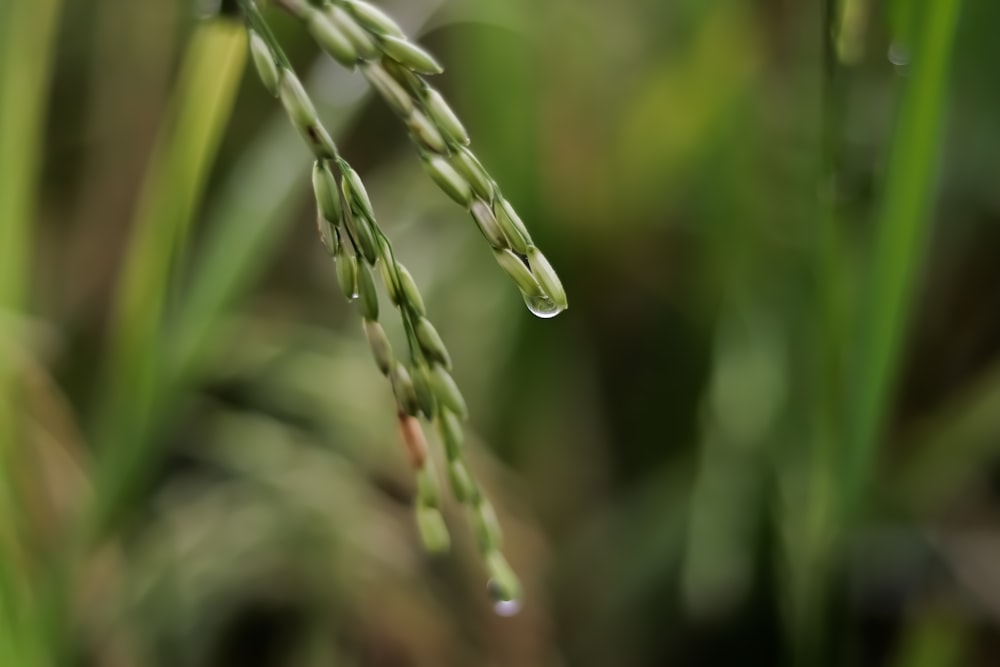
{"points": [[901, 231], [246, 222], [810, 550], [181, 163], [27, 30], [25, 58]]}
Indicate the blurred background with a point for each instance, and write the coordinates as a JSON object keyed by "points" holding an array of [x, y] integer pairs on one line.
{"points": [[766, 431]]}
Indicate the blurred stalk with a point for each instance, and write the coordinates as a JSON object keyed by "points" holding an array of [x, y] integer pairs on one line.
{"points": [[133, 58], [246, 223], [172, 190], [832, 284], [812, 555], [27, 31], [901, 230], [851, 30]]}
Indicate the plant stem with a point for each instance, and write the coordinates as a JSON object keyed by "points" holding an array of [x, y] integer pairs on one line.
{"points": [[27, 35], [171, 193], [901, 232]]}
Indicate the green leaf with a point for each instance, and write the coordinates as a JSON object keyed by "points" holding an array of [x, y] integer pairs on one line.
{"points": [[169, 200], [902, 228]]}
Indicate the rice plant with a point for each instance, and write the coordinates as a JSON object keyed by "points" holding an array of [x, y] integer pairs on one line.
{"points": [[359, 34], [236, 427]]}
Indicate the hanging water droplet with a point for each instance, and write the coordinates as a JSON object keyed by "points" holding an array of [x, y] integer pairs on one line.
{"points": [[541, 305], [899, 55], [502, 607], [507, 608], [353, 297]]}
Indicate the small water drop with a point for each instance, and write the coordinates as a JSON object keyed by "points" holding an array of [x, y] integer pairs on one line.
{"points": [[898, 55], [353, 297], [507, 608], [541, 305], [502, 607]]}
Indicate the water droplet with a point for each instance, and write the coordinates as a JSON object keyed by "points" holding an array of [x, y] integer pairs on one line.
{"points": [[502, 607], [507, 608], [899, 55], [541, 305], [353, 297]]}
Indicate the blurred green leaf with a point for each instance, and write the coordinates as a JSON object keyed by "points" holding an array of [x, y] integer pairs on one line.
{"points": [[901, 230], [27, 38], [212, 68]]}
